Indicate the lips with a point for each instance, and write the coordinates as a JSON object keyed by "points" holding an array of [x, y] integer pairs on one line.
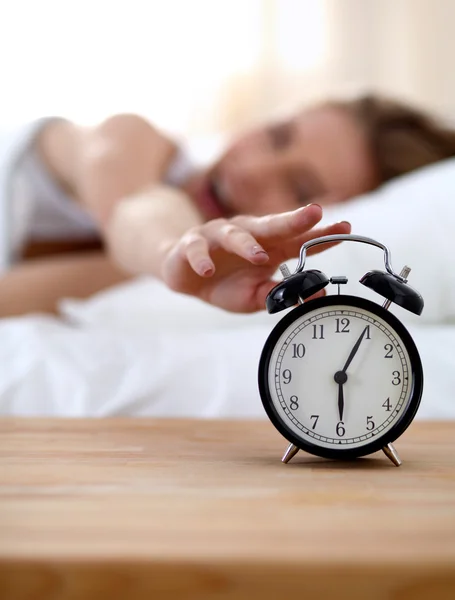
{"points": [[220, 191], [212, 198], [208, 202]]}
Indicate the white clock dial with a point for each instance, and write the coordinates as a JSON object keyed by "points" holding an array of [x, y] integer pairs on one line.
{"points": [[325, 402]]}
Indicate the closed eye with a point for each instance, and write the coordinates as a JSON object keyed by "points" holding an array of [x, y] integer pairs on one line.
{"points": [[280, 135]]}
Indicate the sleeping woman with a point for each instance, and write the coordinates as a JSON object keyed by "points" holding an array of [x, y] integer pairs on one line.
{"points": [[90, 207]]}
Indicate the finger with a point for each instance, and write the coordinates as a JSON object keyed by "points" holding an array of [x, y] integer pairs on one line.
{"points": [[283, 225], [236, 240], [291, 248], [195, 248]]}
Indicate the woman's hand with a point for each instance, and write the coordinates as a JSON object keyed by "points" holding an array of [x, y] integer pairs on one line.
{"points": [[230, 262]]}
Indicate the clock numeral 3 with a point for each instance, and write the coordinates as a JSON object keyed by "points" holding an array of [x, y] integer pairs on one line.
{"points": [[342, 325], [298, 350], [340, 429], [294, 403], [396, 378]]}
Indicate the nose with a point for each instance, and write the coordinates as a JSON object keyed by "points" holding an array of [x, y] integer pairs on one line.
{"points": [[254, 182]]}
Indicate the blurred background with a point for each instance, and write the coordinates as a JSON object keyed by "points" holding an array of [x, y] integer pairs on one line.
{"points": [[196, 67]]}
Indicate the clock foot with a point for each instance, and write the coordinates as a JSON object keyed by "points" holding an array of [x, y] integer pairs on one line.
{"points": [[291, 451], [392, 454]]}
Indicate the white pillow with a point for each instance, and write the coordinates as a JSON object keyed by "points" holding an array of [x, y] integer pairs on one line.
{"points": [[415, 217]]}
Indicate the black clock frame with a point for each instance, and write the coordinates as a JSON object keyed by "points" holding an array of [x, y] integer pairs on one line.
{"points": [[415, 366]]}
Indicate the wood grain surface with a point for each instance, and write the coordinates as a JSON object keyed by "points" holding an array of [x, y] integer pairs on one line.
{"points": [[123, 508]]}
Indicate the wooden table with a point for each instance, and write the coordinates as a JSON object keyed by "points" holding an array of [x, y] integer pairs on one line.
{"points": [[113, 509]]}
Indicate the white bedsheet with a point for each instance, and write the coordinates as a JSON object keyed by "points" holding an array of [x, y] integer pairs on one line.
{"points": [[120, 356]]}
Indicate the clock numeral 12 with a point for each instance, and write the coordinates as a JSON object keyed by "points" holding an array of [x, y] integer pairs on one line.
{"points": [[342, 325]]}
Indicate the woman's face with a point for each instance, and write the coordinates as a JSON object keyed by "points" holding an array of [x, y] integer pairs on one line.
{"points": [[320, 155]]}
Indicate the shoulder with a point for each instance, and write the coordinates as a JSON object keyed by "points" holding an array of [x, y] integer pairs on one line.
{"points": [[130, 135]]}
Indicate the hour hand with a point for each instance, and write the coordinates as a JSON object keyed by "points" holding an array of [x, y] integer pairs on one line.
{"points": [[340, 400], [340, 378]]}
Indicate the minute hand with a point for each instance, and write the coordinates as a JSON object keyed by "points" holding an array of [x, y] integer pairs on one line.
{"points": [[354, 350]]}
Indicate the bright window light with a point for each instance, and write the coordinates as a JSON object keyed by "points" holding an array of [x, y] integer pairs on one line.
{"points": [[170, 60]]}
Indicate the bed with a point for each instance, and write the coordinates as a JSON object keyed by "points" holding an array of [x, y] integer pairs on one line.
{"points": [[140, 349]]}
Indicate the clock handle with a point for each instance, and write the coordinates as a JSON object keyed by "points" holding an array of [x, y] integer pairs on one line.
{"points": [[348, 237]]}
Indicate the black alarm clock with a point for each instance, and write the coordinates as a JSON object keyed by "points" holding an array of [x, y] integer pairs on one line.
{"points": [[340, 376]]}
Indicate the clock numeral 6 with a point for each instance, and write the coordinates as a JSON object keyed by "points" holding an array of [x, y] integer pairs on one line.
{"points": [[340, 429], [370, 423], [396, 378], [294, 403], [298, 350]]}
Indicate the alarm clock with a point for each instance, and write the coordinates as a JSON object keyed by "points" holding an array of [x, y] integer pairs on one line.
{"points": [[340, 376]]}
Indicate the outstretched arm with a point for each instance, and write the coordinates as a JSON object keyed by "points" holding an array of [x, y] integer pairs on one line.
{"points": [[154, 229]]}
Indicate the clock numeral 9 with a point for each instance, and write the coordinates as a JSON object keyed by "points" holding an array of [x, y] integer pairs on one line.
{"points": [[298, 350], [342, 325], [370, 423], [340, 429], [287, 376], [396, 378], [294, 403]]}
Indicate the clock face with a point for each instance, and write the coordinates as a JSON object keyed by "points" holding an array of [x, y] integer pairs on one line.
{"points": [[340, 375]]}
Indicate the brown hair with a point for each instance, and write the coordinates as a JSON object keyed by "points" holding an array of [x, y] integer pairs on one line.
{"points": [[401, 138]]}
